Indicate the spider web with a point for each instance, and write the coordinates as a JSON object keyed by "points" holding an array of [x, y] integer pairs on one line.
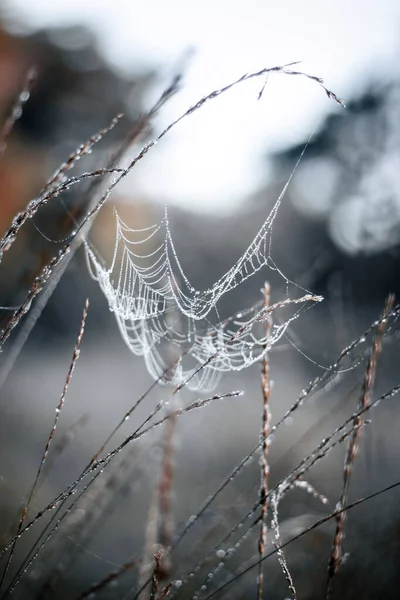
{"points": [[163, 318]]}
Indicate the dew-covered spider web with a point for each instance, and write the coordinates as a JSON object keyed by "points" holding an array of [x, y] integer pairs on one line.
{"points": [[163, 318]]}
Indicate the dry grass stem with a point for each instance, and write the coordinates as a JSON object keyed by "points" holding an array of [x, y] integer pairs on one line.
{"points": [[266, 421], [118, 469], [365, 402], [312, 527], [59, 408], [278, 545]]}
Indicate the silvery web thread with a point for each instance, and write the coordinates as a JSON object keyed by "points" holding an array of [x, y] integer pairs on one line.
{"points": [[291, 481], [101, 463], [251, 565], [311, 387], [143, 297], [294, 478], [46, 273]]}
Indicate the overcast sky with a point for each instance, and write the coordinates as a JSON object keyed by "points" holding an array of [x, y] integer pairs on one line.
{"points": [[216, 156]]}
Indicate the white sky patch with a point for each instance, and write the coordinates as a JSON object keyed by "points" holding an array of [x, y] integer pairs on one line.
{"points": [[215, 157]]}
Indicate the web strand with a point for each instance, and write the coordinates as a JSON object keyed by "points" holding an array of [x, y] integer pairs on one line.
{"points": [[160, 314]]}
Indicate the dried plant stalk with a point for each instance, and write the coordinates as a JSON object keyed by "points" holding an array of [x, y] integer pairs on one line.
{"points": [[315, 456], [277, 543], [365, 401], [155, 579], [59, 408], [266, 421], [57, 184], [165, 529], [127, 416], [70, 247], [103, 462], [312, 527]]}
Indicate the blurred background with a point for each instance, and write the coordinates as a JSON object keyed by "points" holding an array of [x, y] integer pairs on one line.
{"points": [[219, 172]]}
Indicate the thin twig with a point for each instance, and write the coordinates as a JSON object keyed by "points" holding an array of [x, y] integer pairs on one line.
{"points": [[97, 505], [317, 524], [365, 401], [278, 545], [65, 441], [33, 553], [155, 578], [82, 150], [102, 462], [47, 271], [292, 479], [266, 422], [127, 416], [315, 385], [59, 408], [56, 184], [66, 253], [133, 135]]}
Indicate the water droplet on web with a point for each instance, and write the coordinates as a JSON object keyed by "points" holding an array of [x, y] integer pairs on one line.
{"points": [[149, 285]]}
